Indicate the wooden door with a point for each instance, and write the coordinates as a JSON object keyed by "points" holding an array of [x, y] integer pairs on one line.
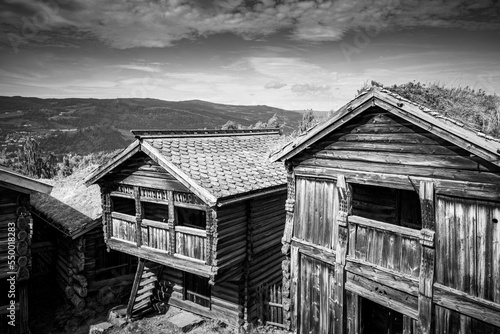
{"points": [[316, 296]]}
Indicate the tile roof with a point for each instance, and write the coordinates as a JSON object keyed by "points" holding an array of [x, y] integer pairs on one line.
{"points": [[225, 164]]}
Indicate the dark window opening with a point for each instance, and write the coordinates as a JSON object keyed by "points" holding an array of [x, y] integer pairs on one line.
{"points": [[123, 205], [376, 319], [191, 217], [393, 206], [156, 212], [197, 289]]}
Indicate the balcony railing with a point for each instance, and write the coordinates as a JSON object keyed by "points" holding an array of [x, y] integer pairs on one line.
{"points": [[189, 242], [389, 246]]}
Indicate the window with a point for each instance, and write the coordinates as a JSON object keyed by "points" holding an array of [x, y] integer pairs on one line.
{"points": [[156, 212], [123, 205], [393, 206], [191, 217], [376, 318], [197, 289]]}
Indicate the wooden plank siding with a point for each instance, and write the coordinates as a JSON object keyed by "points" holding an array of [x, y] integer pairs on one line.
{"points": [[379, 142], [467, 246], [140, 170], [316, 310], [316, 208]]}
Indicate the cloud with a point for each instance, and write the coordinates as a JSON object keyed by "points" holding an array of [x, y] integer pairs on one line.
{"points": [[311, 89], [152, 23], [274, 85], [142, 68]]}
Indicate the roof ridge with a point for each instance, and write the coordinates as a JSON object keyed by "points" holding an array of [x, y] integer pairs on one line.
{"points": [[183, 133]]}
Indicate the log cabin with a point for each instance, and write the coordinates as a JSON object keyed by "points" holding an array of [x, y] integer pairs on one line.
{"points": [[69, 253], [392, 223], [15, 223], [203, 211]]}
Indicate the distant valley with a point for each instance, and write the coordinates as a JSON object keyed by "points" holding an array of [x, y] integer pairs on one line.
{"points": [[84, 126]]}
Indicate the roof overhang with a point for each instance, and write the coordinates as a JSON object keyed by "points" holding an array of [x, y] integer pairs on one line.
{"points": [[14, 181], [143, 146]]}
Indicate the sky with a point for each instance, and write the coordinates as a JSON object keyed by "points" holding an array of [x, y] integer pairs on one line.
{"points": [[289, 54]]}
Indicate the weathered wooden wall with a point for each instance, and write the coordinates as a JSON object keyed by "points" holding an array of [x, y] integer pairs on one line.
{"points": [[15, 214], [392, 250], [264, 257]]}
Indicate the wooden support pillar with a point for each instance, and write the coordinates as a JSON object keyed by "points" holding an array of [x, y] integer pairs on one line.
{"points": [[425, 306], [340, 253], [135, 286], [289, 280], [171, 221], [138, 216]]}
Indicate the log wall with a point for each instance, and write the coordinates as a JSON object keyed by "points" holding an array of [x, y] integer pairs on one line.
{"points": [[14, 214], [265, 230]]}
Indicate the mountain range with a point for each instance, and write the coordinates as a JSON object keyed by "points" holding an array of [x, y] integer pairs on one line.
{"points": [[84, 125]]}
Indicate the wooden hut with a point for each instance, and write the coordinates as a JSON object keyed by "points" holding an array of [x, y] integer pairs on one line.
{"points": [[207, 209], [68, 244], [392, 223], [15, 248]]}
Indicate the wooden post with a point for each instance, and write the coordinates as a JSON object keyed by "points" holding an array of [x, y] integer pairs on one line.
{"points": [[138, 216], [209, 239], [340, 253], [425, 307], [135, 286], [289, 311], [106, 212], [171, 221]]}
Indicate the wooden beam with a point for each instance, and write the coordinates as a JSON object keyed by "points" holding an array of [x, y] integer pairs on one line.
{"points": [[397, 280], [135, 286], [486, 191], [160, 257], [466, 304], [425, 305], [384, 226]]}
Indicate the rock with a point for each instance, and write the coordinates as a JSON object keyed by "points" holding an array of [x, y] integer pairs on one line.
{"points": [[117, 315], [186, 321], [100, 328]]}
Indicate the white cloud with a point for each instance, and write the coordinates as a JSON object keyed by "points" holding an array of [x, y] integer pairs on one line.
{"points": [[274, 85]]}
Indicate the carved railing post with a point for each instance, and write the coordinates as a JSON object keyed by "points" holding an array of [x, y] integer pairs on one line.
{"points": [[106, 212], [340, 253], [289, 282], [171, 221], [425, 308], [138, 216]]}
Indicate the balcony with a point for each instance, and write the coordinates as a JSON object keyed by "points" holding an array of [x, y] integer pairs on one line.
{"points": [[190, 243]]}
